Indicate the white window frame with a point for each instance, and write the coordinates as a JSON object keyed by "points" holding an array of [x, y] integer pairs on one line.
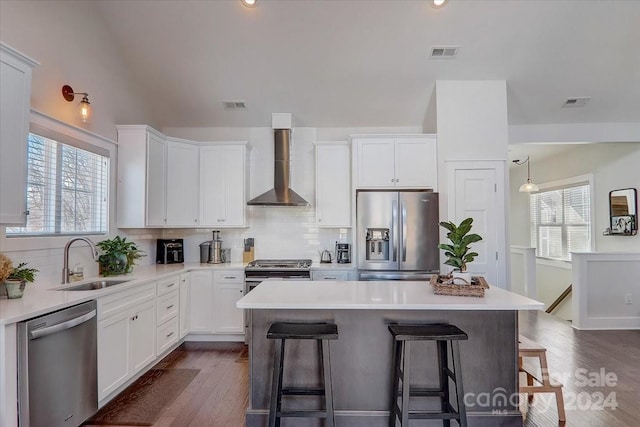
{"points": [[87, 141], [560, 184]]}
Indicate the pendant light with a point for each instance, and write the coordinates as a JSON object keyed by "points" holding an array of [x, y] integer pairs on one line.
{"points": [[527, 187]]}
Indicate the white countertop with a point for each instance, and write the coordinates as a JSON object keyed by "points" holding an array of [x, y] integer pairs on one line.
{"points": [[375, 295], [43, 297]]}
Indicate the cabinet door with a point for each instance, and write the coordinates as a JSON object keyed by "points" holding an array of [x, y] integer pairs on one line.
{"points": [[143, 335], [185, 304], [375, 163], [234, 186], [182, 184], [15, 80], [228, 318], [113, 352], [212, 184], [156, 201], [333, 186], [201, 301], [415, 162]]}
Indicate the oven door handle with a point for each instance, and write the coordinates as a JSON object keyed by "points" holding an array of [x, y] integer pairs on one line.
{"points": [[39, 333]]}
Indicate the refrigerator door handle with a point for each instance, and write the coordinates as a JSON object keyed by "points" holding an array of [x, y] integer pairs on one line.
{"points": [[404, 233], [394, 230]]}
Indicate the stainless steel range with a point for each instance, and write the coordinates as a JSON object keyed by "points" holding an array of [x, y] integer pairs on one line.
{"points": [[280, 269], [272, 269]]}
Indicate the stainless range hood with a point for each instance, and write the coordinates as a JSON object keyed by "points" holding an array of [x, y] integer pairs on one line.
{"points": [[280, 194]]}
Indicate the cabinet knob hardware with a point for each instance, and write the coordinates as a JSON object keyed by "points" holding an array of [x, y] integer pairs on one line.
{"points": [[171, 285], [169, 307], [169, 334], [229, 277], [330, 278], [26, 213]]}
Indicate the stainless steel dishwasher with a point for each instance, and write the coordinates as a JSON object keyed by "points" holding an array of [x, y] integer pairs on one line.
{"points": [[57, 367]]}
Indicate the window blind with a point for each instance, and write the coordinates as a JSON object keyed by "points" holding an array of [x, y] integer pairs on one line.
{"points": [[561, 221], [66, 190]]}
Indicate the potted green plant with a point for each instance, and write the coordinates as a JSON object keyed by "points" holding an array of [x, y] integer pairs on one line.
{"points": [[15, 278], [118, 256], [459, 253]]}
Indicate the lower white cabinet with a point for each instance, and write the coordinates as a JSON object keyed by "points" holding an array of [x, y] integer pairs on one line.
{"points": [[167, 312], [201, 299], [185, 304], [228, 288], [341, 275], [126, 336]]}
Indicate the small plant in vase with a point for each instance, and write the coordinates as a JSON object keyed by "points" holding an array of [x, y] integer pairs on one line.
{"points": [[14, 279], [118, 256], [459, 253]]}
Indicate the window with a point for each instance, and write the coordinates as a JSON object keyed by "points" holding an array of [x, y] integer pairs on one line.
{"points": [[66, 190], [561, 221]]}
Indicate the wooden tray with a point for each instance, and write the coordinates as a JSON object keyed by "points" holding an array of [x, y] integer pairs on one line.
{"points": [[475, 289]]}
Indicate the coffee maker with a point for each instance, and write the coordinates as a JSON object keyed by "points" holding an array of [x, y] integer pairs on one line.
{"points": [[343, 253]]}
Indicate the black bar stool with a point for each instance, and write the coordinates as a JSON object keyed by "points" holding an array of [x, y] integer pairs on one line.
{"points": [[403, 335], [321, 332]]}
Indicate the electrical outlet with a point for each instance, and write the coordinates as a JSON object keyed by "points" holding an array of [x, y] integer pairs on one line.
{"points": [[627, 299]]}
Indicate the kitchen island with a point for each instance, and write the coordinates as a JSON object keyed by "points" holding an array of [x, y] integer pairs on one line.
{"points": [[361, 357]]}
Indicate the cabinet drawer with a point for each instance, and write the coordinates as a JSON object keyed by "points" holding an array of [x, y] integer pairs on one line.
{"points": [[229, 276], [113, 304], [330, 275], [167, 335], [167, 307], [167, 285]]}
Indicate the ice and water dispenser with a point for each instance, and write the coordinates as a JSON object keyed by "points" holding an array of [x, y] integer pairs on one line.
{"points": [[377, 244]]}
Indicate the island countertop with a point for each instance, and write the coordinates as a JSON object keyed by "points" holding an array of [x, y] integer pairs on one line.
{"points": [[375, 295]]}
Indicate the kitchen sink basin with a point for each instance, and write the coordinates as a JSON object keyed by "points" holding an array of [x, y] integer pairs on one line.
{"points": [[96, 284]]}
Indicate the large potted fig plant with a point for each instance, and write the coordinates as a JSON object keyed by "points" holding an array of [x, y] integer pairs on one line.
{"points": [[458, 252], [118, 256]]}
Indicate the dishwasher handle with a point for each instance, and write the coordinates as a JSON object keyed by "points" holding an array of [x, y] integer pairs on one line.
{"points": [[39, 333]]}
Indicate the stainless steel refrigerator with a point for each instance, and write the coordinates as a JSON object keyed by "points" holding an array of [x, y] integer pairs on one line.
{"points": [[397, 235]]}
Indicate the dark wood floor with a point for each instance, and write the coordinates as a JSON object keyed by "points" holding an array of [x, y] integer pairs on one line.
{"points": [[218, 395]]}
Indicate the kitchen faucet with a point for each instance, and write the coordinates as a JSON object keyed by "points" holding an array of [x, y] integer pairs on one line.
{"points": [[65, 267]]}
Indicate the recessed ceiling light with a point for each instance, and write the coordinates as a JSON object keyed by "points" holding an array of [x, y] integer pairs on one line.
{"points": [[249, 3], [437, 4]]}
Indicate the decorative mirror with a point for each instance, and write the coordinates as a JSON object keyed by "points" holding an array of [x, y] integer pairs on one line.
{"points": [[623, 212]]}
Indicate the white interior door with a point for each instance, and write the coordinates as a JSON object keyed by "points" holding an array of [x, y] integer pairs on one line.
{"points": [[477, 192]]}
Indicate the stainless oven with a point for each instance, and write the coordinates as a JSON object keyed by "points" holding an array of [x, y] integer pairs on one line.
{"points": [[260, 270]]}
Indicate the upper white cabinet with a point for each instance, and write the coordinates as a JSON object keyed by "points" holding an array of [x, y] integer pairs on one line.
{"points": [[396, 162], [15, 81], [223, 185], [333, 184], [182, 184], [141, 177]]}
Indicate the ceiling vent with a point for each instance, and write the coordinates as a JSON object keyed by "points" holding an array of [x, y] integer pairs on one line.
{"points": [[235, 105], [577, 102], [444, 52]]}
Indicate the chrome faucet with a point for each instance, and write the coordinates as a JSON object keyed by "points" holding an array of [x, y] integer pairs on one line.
{"points": [[65, 267]]}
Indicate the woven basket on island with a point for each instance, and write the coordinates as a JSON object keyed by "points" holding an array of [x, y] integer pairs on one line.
{"points": [[443, 285]]}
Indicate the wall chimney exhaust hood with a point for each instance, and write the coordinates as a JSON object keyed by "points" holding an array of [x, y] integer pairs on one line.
{"points": [[280, 194]]}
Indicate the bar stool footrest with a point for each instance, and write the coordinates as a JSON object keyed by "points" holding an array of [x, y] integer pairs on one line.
{"points": [[431, 415], [302, 391], [303, 414], [423, 392]]}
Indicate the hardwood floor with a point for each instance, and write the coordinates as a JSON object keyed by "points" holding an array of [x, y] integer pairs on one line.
{"points": [[218, 395]]}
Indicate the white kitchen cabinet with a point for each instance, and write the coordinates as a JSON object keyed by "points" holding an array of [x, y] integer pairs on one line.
{"points": [[15, 80], [333, 184], [223, 185], [396, 162], [185, 304], [201, 301], [141, 177], [228, 288], [334, 275], [126, 336], [182, 184], [167, 314]]}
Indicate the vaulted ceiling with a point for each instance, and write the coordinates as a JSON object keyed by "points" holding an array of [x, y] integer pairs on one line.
{"points": [[366, 63]]}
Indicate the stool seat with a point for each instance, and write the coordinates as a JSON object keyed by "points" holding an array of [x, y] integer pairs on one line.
{"points": [[427, 332], [303, 331]]}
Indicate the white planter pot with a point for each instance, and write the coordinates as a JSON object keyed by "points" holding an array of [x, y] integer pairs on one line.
{"points": [[460, 278]]}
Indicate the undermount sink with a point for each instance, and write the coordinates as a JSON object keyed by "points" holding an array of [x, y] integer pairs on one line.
{"points": [[96, 284]]}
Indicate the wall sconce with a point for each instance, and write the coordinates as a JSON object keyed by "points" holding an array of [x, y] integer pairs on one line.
{"points": [[437, 4], [84, 107], [527, 187], [249, 3]]}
